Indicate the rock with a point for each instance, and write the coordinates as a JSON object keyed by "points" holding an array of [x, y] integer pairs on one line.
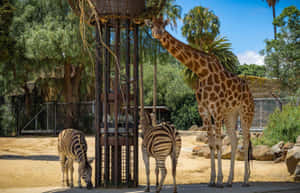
{"points": [[298, 140], [278, 149], [292, 159], [240, 153], [226, 140], [202, 137], [196, 149], [263, 153], [297, 173], [194, 128], [204, 151], [288, 146], [226, 152]]}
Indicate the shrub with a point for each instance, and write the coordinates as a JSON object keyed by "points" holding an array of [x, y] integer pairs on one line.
{"points": [[282, 126]]}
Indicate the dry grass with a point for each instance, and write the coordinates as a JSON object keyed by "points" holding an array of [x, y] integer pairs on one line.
{"points": [[33, 168]]}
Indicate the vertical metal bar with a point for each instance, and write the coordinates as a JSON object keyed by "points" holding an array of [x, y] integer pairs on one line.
{"points": [[55, 129], [47, 115], [136, 99], [127, 162], [106, 92], [98, 109], [117, 173]]}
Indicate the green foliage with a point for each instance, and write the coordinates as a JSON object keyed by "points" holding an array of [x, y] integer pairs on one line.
{"points": [[282, 126], [172, 92], [251, 70], [282, 56], [7, 121]]}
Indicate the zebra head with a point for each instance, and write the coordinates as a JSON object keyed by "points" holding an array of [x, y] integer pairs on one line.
{"points": [[85, 171]]}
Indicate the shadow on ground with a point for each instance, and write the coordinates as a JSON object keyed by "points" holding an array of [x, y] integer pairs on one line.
{"points": [[30, 157], [255, 187]]}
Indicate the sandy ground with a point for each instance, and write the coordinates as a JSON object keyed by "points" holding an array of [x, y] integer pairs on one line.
{"points": [[33, 162]]}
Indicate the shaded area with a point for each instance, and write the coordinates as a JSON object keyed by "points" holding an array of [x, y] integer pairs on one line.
{"points": [[256, 187], [33, 157], [30, 157]]}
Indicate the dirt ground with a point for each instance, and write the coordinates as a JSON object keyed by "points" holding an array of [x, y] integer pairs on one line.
{"points": [[33, 162]]}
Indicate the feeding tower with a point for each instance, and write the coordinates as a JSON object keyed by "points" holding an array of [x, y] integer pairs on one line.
{"points": [[117, 25]]}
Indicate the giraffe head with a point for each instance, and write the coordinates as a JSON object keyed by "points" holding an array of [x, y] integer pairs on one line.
{"points": [[157, 26]]}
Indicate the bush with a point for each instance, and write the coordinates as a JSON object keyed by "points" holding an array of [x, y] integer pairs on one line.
{"points": [[282, 126], [7, 121]]}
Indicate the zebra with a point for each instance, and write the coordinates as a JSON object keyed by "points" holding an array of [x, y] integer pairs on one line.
{"points": [[72, 147], [159, 142]]}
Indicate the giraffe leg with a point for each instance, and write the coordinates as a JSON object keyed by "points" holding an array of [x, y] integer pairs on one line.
{"points": [[230, 123], [246, 137], [162, 166], [211, 142], [62, 163], [146, 162], [218, 130]]}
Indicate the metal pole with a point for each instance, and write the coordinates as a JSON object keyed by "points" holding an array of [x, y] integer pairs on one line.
{"points": [[116, 105], [136, 99], [127, 98], [98, 109], [106, 91]]}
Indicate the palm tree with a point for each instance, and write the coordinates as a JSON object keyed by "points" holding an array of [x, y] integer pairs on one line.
{"points": [[272, 4], [201, 27]]}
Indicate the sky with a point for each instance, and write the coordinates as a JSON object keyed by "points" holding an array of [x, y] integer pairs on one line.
{"points": [[245, 23]]}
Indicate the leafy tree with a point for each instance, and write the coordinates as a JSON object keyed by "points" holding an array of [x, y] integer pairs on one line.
{"points": [[282, 55], [272, 3], [251, 70]]}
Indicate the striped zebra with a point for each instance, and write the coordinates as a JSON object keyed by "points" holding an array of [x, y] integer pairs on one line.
{"points": [[73, 147], [159, 142]]}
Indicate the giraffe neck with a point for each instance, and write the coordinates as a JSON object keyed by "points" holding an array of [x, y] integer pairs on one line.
{"points": [[197, 61]]}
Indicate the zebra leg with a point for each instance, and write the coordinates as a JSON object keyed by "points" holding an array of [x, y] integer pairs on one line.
{"points": [[161, 165], [146, 162], [157, 174], [79, 179], [174, 164], [67, 172], [71, 168], [62, 163]]}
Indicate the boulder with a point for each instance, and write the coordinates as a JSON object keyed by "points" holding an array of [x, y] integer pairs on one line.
{"points": [[240, 153], [298, 140], [226, 140], [226, 152], [204, 151], [194, 128], [292, 159], [202, 137], [196, 149], [278, 149], [263, 153]]}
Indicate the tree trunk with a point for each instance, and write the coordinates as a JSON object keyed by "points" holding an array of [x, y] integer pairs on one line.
{"points": [[72, 77], [154, 88], [274, 16]]}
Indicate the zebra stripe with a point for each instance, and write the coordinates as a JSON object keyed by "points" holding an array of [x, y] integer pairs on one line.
{"points": [[160, 142], [72, 147]]}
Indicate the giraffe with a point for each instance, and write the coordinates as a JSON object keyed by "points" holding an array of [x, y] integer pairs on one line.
{"points": [[220, 95]]}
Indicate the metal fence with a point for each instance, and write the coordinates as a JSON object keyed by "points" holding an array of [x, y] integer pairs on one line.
{"points": [[49, 118]]}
